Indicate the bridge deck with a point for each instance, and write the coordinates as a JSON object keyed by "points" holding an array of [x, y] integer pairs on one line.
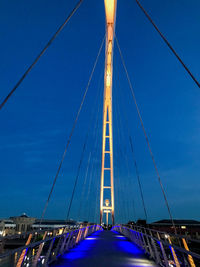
{"points": [[105, 249]]}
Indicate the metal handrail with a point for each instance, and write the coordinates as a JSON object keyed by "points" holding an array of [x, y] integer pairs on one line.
{"points": [[158, 249], [31, 245], [15, 236], [48, 249], [161, 232], [168, 244]]}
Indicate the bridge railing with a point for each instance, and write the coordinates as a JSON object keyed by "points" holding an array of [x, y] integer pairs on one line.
{"points": [[20, 239], [165, 249], [46, 251], [52, 231]]}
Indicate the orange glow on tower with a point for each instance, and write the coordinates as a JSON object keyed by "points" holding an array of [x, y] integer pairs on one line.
{"points": [[107, 176]]}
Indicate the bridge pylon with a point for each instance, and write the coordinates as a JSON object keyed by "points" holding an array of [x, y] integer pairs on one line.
{"points": [[107, 174]]}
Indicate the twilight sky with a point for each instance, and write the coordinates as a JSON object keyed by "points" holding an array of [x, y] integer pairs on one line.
{"points": [[36, 122]]}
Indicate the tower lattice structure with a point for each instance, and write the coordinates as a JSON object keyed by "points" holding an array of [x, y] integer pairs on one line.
{"points": [[107, 174]]}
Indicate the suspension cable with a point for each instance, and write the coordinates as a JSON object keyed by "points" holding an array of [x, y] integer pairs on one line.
{"points": [[145, 134], [77, 176], [138, 177], [98, 171], [168, 44], [84, 185], [72, 130], [91, 175], [135, 163], [121, 155], [94, 173], [133, 154], [40, 54], [83, 151]]}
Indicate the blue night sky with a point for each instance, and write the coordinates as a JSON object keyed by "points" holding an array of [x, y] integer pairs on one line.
{"points": [[36, 122]]}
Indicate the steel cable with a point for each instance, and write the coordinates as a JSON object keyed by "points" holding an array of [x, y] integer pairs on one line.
{"points": [[72, 130], [127, 130], [84, 147], [84, 186], [94, 124], [77, 176], [40, 54], [138, 177], [132, 151], [168, 44], [145, 134], [118, 166], [92, 170]]}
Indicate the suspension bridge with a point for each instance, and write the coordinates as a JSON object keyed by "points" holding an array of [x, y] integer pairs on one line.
{"points": [[104, 240]]}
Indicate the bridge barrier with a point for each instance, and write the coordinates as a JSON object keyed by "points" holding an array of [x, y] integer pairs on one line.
{"points": [[37, 232], [47, 250], [165, 249]]}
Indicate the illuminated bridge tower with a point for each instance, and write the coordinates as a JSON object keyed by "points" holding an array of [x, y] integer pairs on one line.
{"points": [[107, 177]]}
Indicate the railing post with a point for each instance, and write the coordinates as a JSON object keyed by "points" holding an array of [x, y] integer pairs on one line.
{"points": [[157, 256], [174, 253], [163, 251], [63, 244], [190, 259], [140, 240], [35, 260], [66, 247], [149, 245], [82, 234], [57, 247], [21, 258], [79, 235], [132, 235], [140, 243], [48, 253], [86, 232], [135, 237], [75, 236], [144, 243]]}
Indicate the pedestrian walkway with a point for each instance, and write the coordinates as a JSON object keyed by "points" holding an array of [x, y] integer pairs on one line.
{"points": [[104, 249]]}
